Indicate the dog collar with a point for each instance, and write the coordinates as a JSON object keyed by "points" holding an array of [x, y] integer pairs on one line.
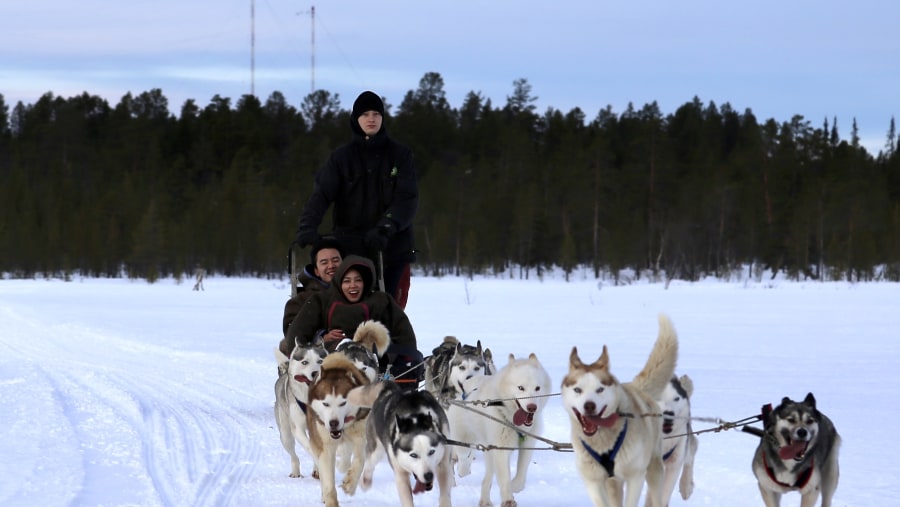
{"points": [[608, 459], [801, 481], [302, 406]]}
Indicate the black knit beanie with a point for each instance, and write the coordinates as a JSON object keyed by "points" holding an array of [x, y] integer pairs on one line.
{"points": [[367, 101]]}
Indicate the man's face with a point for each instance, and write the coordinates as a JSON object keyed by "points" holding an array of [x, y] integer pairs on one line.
{"points": [[370, 122], [327, 262]]}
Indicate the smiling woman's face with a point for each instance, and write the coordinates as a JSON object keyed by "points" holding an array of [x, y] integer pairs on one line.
{"points": [[352, 285]]}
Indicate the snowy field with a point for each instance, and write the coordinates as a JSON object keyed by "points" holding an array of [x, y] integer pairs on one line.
{"points": [[118, 393]]}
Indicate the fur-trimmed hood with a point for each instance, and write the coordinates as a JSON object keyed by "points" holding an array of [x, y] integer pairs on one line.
{"points": [[366, 269]]}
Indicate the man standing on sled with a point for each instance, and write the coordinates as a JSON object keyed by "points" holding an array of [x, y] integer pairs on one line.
{"points": [[371, 181]]}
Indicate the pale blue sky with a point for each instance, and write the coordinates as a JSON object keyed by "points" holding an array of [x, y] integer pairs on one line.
{"points": [[779, 58]]}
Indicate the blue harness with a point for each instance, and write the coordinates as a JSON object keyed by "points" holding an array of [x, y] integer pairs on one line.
{"points": [[608, 459]]}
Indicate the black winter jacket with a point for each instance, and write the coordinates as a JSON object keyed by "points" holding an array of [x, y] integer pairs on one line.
{"points": [[367, 179]]}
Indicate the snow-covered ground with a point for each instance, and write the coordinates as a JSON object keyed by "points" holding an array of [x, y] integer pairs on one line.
{"points": [[119, 393]]}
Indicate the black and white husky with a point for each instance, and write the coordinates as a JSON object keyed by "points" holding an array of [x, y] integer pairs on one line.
{"points": [[291, 397], [410, 427], [679, 442], [798, 451]]}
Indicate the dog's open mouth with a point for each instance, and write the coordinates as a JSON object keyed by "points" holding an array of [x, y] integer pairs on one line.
{"points": [[422, 487], [795, 449], [303, 379], [591, 422], [668, 423], [336, 434], [523, 417]]}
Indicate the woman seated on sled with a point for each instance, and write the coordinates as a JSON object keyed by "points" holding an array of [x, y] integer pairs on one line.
{"points": [[334, 314]]}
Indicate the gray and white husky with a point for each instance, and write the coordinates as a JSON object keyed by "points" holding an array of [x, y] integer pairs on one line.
{"points": [[451, 363], [410, 427], [798, 451], [291, 397]]}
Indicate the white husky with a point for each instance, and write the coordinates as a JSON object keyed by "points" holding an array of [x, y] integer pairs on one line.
{"points": [[679, 443], [616, 446], [516, 395], [291, 396]]}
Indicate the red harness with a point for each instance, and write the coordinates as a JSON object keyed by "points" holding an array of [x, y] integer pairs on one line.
{"points": [[801, 481]]}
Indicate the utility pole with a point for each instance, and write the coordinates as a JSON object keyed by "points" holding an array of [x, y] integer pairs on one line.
{"points": [[253, 47], [312, 48]]}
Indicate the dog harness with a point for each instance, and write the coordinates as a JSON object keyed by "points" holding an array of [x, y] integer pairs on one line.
{"points": [[669, 454], [302, 406], [608, 459], [801, 481]]}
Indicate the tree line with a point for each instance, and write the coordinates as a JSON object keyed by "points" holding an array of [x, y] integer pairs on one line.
{"points": [[134, 190]]}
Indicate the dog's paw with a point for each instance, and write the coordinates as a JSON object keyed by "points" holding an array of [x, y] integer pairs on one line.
{"points": [[366, 481], [686, 488], [485, 503], [316, 474], [509, 503], [517, 485], [349, 485], [295, 475]]}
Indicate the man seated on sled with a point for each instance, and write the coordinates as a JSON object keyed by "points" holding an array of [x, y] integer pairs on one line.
{"points": [[326, 255], [335, 313]]}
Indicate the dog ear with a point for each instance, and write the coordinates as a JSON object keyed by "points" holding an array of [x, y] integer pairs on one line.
{"points": [[574, 360], [765, 414], [478, 349], [810, 400], [603, 362], [687, 384]]}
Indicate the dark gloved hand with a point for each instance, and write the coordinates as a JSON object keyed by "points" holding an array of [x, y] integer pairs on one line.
{"points": [[377, 238], [306, 238], [376, 241]]}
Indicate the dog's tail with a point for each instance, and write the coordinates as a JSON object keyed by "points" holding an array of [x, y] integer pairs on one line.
{"points": [[373, 333], [661, 364], [280, 358]]}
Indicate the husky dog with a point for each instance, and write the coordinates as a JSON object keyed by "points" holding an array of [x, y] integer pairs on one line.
{"points": [[333, 421], [616, 446], [411, 428], [798, 451], [679, 443], [291, 395], [515, 395], [369, 343], [451, 363]]}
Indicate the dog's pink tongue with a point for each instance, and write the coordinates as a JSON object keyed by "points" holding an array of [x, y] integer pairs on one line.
{"points": [[605, 422], [792, 451], [420, 487], [523, 417], [302, 378]]}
